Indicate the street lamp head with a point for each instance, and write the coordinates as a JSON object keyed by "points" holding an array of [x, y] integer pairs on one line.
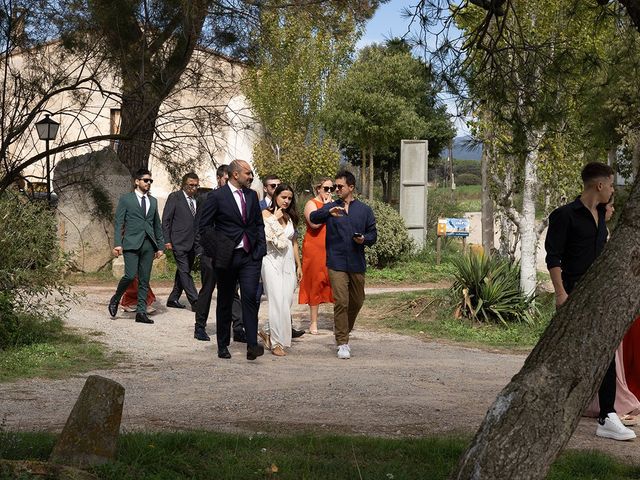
{"points": [[47, 128]]}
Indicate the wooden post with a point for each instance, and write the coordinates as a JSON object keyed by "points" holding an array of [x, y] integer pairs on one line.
{"points": [[464, 244], [438, 243]]}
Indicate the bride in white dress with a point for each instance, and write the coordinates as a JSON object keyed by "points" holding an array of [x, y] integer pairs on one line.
{"points": [[281, 268]]}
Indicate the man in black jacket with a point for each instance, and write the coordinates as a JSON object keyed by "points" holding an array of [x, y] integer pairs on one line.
{"points": [[209, 279], [576, 236], [233, 214]]}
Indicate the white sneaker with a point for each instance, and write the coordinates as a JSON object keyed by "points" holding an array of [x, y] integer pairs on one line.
{"points": [[613, 428], [344, 352]]}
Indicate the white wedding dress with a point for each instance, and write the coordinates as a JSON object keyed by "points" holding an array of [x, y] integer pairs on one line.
{"points": [[279, 279]]}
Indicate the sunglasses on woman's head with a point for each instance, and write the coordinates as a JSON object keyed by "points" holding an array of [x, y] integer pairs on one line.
{"points": [[329, 189]]}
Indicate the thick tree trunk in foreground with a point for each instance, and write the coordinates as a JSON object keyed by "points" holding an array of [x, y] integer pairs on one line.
{"points": [[535, 414]]}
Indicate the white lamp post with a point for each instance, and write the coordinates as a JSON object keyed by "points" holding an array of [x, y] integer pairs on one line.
{"points": [[47, 130]]}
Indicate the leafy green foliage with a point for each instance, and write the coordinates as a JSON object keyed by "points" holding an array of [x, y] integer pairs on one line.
{"points": [[299, 163], [393, 240], [375, 104], [487, 289], [299, 53], [19, 328], [32, 268]]}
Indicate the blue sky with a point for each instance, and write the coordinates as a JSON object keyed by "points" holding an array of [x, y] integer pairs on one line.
{"points": [[388, 22]]}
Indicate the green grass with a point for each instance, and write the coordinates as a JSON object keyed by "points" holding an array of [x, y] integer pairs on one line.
{"points": [[419, 268], [468, 197], [429, 314], [410, 271], [204, 455], [61, 355]]}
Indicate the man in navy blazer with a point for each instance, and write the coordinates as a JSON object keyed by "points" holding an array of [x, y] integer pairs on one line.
{"points": [[233, 211], [178, 228]]}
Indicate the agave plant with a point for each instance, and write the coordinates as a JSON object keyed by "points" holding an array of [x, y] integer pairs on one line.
{"points": [[487, 289]]}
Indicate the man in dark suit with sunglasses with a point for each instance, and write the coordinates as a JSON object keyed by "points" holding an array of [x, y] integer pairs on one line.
{"points": [[138, 236]]}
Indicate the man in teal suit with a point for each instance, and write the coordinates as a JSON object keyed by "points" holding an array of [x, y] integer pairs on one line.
{"points": [[138, 236]]}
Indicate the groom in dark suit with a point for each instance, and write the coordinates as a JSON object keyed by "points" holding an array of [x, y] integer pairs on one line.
{"points": [[178, 227], [138, 236], [233, 212]]}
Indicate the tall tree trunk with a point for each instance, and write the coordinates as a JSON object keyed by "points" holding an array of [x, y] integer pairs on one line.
{"points": [[385, 180], [635, 157], [151, 59], [363, 171], [612, 155], [487, 201], [534, 416], [138, 115], [371, 173], [506, 226], [528, 231]]}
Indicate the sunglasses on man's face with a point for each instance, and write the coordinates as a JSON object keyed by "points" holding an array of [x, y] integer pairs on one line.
{"points": [[329, 189], [340, 187], [147, 180], [273, 185]]}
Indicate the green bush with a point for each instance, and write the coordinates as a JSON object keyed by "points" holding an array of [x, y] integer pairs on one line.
{"points": [[487, 289], [393, 239], [466, 166], [32, 268], [468, 179]]}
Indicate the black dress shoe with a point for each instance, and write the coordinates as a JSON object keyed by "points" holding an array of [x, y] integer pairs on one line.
{"points": [[240, 337], [254, 351], [113, 307], [224, 353], [175, 304], [296, 333], [142, 318], [201, 334]]}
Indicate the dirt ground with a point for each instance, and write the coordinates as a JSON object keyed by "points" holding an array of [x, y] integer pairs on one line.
{"points": [[394, 385]]}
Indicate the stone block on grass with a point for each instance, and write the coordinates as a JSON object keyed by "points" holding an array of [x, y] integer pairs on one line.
{"points": [[90, 435]]}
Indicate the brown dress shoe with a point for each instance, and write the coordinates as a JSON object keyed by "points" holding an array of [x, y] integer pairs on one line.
{"points": [[278, 351]]}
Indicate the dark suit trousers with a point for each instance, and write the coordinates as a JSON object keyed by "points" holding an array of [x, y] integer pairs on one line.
{"points": [[183, 279], [607, 390], [137, 262], [245, 271], [208, 276]]}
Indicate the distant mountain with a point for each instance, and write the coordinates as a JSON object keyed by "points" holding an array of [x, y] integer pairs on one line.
{"points": [[462, 150]]}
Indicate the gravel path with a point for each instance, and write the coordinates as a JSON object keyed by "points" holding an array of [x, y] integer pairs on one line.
{"points": [[393, 385]]}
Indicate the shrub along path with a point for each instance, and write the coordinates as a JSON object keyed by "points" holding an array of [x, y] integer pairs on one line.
{"points": [[394, 385]]}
